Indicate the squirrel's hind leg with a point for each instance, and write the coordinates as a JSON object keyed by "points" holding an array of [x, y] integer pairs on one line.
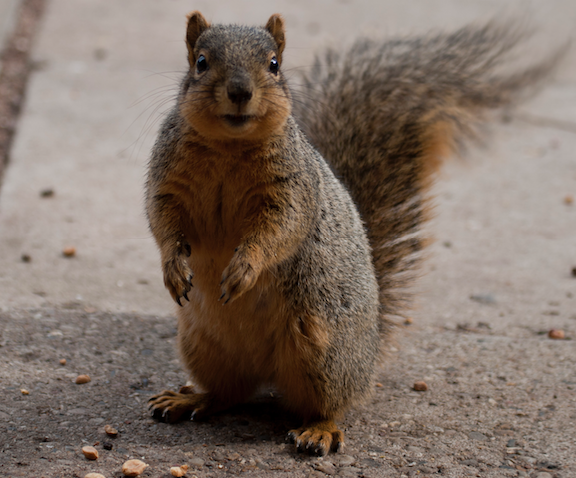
{"points": [[318, 437], [186, 404]]}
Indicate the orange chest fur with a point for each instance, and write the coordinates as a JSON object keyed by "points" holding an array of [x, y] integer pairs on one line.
{"points": [[218, 195]]}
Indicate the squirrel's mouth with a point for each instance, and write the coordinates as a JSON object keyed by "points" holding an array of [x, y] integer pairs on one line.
{"points": [[237, 120]]}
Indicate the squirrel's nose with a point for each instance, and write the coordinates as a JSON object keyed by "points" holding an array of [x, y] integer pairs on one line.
{"points": [[239, 92]]}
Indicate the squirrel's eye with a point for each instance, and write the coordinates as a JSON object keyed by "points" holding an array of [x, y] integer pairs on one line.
{"points": [[201, 64], [274, 66]]}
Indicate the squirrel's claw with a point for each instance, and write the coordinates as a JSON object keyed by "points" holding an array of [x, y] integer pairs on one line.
{"points": [[171, 406], [239, 277], [318, 438], [178, 278]]}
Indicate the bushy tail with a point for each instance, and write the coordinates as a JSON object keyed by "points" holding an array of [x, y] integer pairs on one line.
{"points": [[385, 114]]}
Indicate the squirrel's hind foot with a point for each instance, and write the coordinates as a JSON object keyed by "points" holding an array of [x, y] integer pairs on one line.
{"points": [[317, 438], [172, 407]]}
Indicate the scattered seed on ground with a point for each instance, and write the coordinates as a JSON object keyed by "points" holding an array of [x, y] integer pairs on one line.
{"points": [[420, 386], [90, 452], [69, 251], [80, 379], [556, 334], [133, 467], [179, 471]]}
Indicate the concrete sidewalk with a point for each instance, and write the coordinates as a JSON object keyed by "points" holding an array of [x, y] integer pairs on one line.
{"points": [[107, 74], [498, 277]]}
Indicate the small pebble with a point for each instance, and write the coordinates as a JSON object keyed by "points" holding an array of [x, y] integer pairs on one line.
{"points": [[199, 462], [80, 379], [107, 445], [110, 431], [556, 334], [90, 452], [23, 391], [26, 258], [348, 472], [420, 386], [346, 460], [69, 251], [94, 475], [327, 468], [574, 271], [218, 456], [47, 193], [179, 471], [62, 361], [316, 474], [133, 467], [477, 436], [427, 470], [487, 298]]}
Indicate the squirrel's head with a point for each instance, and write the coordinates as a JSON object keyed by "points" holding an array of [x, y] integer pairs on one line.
{"points": [[235, 89]]}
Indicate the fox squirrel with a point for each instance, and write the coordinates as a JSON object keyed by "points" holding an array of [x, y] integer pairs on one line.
{"points": [[291, 229]]}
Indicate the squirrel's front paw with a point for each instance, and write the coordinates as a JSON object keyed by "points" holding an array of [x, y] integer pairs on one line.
{"points": [[178, 277], [239, 277]]}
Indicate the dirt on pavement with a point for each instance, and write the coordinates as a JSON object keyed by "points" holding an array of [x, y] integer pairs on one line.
{"points": [[472, 421]]}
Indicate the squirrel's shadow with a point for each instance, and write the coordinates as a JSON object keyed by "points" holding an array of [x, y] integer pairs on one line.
{"points": [[261, 419]]}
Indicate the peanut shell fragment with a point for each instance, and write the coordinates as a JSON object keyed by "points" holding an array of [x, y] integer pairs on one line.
{"points": [[110, 431], [179, 471], [69, 251], [556, 334], [90, 452], [80, 379], [420, 386], [133, 467]]}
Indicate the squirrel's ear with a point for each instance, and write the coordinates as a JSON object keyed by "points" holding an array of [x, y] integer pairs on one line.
{"points": [[196, 25], [275, 26]]}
